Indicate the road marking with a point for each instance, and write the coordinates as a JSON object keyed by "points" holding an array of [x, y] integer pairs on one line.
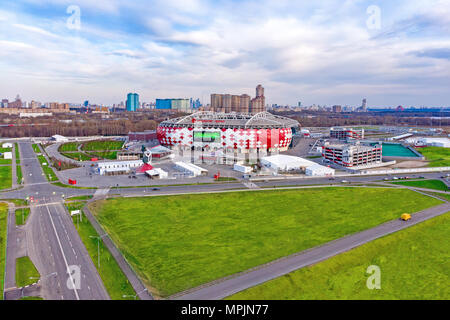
{"points": [[62, 251]]}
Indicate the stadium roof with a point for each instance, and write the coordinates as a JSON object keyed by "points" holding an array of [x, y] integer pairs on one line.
{"points": [[232, 120]]}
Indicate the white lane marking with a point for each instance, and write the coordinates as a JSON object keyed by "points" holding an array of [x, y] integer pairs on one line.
{"points": [[62, 251]]}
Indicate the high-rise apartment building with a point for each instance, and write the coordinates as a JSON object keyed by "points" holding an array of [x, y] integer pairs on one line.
{"points": [[242, 104], [132, 102]]}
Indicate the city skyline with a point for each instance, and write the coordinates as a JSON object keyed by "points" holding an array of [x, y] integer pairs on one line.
{"points": [[319, 53]]}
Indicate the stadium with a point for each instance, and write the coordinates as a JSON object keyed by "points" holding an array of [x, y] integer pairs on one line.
{"points": [[228, 135]]}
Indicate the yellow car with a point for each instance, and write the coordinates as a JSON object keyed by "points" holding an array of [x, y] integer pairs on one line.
{"points": [[405, 217]]}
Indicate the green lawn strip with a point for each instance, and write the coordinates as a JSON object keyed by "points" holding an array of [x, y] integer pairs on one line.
{"points": [[3, 232], [226, 179], [49, 173], [179, 242], [80, 198], [77, 156], [22, 216], [36, 148], [116, 283], [110, 155], [102, 145], [414, 264], [16, 148], [60, 184], [437, 156], [31, 298], [19, 174], [428, 184], [440, 195], [70, 146], [5, 177], [16, 202], [2, 150], [26, 272]]}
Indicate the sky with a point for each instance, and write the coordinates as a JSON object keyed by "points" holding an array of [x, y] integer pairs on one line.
{"points": [[322, 52]]}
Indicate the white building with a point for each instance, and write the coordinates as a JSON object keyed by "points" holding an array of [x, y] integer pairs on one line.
{"points": [[319, 171], [157, 172], [7, 155], [7, 145], [117, 167], [281, 162], [58, 138], [434, 142], [242, 168], [191, 169]]}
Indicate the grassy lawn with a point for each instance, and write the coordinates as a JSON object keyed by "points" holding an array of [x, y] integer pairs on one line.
{"points": [[440, 195], [59, 184], [112, 276], [31, 298], [438, 157], [19, 174], [429, 184], [25, 270], [2, 150], [70, 146], [414, 264], [5, 161], [17, 202], [5, 177], [3, 232], [49, 173], [22, 216], [179, 242], [36, 148], [80, 198], [102, 145], [78, 156], [109, 155]]}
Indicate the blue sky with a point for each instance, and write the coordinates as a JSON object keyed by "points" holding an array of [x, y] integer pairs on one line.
{"points": [[321, 52]]}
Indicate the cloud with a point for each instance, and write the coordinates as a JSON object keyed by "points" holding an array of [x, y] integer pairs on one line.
{"points": [[316, 52]]}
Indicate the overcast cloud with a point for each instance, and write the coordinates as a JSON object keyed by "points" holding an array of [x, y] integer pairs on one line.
{"points": [[311, 51]]}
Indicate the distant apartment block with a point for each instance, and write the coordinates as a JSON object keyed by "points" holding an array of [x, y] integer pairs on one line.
{"points": [[144, 136], [346, 133], [227, 103], [352, 155]]}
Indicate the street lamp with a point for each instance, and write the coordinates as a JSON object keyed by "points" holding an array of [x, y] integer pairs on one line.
{"points": [[98, 247]]}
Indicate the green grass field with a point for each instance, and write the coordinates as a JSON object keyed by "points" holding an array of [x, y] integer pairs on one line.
{"points": [[179, 242], [5, 177], [438, 157], [5, 161], [3, 232], [70, 146], [2, 150], [102, 145], [49, 173], [112, 276], [440, 195], [414, 264], [31, 298], [25, 270], [19, 174], [429, 184], [22, 216]]}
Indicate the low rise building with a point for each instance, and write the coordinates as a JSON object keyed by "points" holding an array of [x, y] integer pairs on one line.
{"points": [[118, 167], [347, 155], [190, 169], [346, 133]]}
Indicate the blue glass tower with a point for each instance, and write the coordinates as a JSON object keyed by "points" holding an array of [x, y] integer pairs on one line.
{"points": [[132, 102]]}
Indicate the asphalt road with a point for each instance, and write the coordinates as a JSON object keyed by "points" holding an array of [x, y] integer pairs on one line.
{"points": [[50, 239], [222, 289]]}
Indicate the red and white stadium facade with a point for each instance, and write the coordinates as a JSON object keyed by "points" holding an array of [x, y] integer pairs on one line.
{"points": [[235, 133]]}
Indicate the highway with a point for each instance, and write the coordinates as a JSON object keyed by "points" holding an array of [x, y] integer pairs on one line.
{"points": [[223, 288], [51, 241]]}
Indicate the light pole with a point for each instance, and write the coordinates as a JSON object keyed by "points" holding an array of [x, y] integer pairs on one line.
{"points": [[98, 249]]}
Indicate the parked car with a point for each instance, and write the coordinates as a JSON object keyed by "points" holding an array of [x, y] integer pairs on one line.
{"points": [[395, 178], [156, 189], [345, 181]]}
